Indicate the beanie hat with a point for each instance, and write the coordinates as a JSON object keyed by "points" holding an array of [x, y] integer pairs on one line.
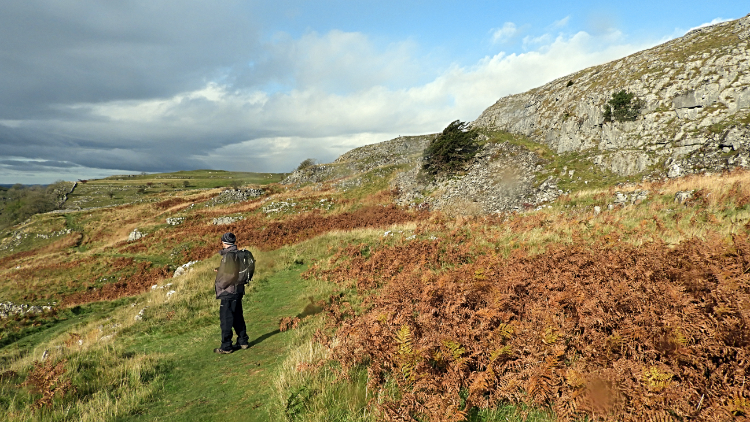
{"points": [[228, 238]]}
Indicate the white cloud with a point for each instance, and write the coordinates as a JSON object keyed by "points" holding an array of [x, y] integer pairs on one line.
{"points": [[560, 23], [529, 41], [338, 61], [505, 33]]}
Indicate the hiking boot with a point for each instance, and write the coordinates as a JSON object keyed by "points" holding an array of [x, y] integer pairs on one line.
{"points": [[222, 351], [244, 346]]}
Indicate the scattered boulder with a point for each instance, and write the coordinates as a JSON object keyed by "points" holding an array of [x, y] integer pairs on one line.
{"points": [[674, 171], [8, 309], [139, 317], [175, 221], [682, 196], [622, 199], [182, 269], [135, 235]]}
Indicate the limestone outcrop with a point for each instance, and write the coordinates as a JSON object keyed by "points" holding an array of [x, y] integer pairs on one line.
{"points": [[696, 91]]}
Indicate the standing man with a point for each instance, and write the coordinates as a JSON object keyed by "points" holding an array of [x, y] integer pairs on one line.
{"points": [[230, 290]]}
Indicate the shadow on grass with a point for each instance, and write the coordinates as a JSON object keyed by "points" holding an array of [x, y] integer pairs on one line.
{"points": [[312, 308], [263, 337]]}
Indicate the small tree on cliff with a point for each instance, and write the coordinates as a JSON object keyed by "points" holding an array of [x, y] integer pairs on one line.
{"points": [[305, 164], [456, 145], [623, 107]]}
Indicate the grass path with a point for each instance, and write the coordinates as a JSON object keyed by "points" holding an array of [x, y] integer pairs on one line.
{"points": [[202, 385]]}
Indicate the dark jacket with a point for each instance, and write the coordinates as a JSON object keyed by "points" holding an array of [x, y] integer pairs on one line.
{"points": [[227, 275]]}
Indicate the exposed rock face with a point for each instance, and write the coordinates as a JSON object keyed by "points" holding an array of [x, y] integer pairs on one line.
{"points": [[696, 91], [220, 221], [500, 178], [236, 195]]}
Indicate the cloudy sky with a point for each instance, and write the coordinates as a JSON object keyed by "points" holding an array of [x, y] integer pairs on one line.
{"points": [[90, 88]]}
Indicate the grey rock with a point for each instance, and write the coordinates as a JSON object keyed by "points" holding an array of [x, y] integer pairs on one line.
{"points": [[682, 196], [629, 198], [135, 235], [219, 221], [9, 309], [674, 171], [184, 268], [230, 196], [401, 150]]}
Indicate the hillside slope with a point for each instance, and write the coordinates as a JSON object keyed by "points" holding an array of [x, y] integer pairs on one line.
{"points": [[695, 92], [627, 302]]}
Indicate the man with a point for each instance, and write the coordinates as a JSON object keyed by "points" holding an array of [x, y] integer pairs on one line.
{"points": [[230, 292]]}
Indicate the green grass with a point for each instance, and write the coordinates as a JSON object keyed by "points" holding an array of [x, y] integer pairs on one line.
{"points": [[237, 386]]}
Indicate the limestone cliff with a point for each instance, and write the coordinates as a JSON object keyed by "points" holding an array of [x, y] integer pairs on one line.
{"points": [[696, 91]]}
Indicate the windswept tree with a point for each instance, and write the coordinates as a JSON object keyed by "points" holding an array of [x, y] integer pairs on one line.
{"points": [[456, 145], [305, 164]]}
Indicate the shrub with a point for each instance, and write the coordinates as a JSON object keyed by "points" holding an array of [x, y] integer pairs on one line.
{"points": [[456, 145], [305, 164], [623, 107]]}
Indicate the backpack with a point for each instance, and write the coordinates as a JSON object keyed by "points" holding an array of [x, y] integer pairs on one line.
{"points": [[246, 262]]}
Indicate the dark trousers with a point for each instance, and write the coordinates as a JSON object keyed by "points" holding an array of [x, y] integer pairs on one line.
{"points": [[230, 315]]}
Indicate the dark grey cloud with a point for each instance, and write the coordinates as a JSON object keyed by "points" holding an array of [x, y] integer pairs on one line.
{"points": [[54, 52]]}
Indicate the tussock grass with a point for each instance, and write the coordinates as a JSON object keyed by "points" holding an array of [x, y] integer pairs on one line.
{"points": [[308, 387]]}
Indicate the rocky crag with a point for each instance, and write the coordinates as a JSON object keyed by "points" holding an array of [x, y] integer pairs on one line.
{"points": [[695, 92], [696, 96], [398, 151], [502, 177]]}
